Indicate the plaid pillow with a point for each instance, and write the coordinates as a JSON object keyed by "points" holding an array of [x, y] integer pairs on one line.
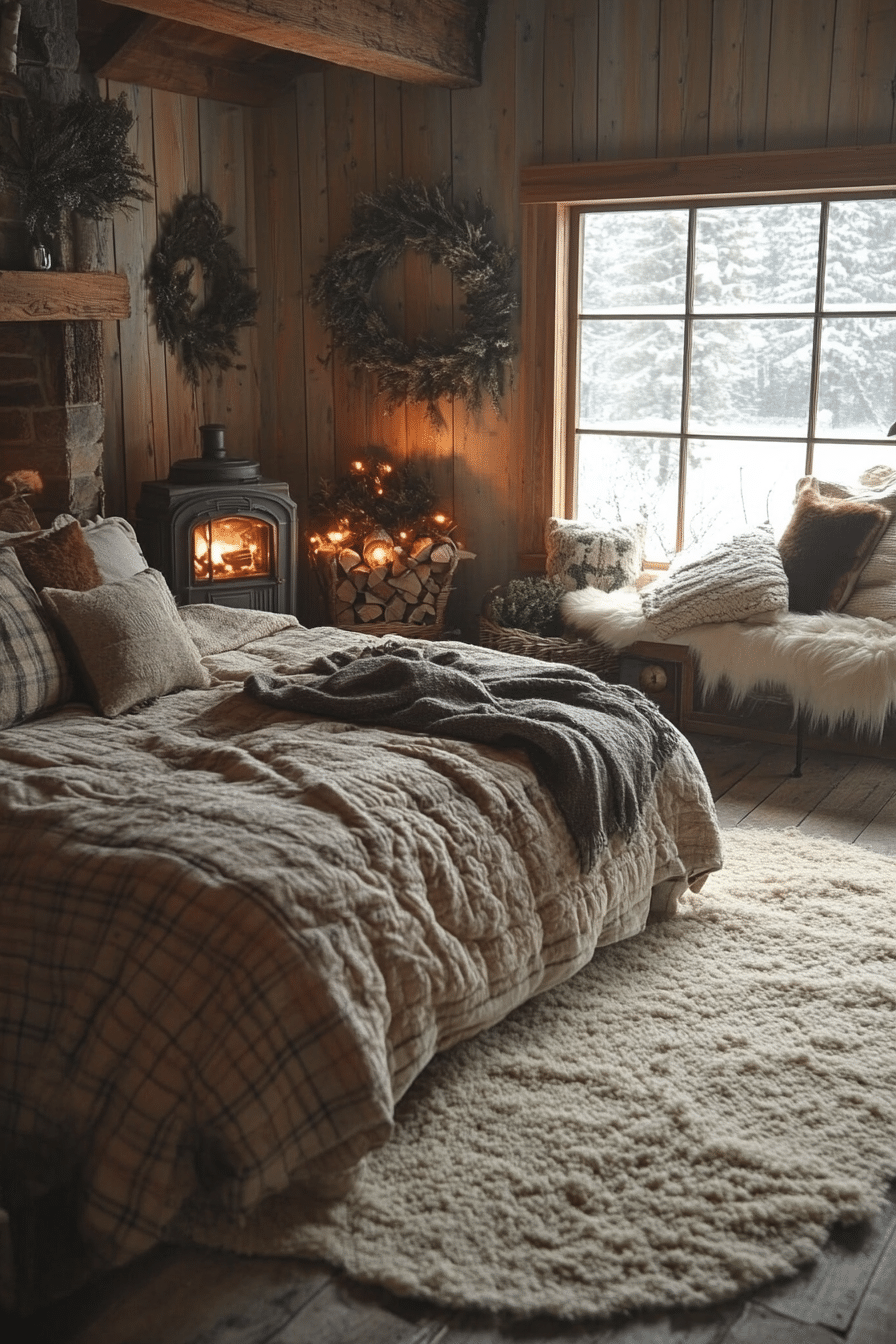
{"points": [[34, 674]]}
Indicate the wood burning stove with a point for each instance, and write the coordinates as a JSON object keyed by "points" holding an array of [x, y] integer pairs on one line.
{"points": [[220, 531]]}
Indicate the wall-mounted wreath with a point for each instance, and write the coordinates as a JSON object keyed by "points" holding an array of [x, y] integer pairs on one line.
{"points": [[201, 338], [409, 214]]}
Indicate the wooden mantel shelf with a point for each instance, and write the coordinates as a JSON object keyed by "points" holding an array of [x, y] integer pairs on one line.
{"points": [[63, 296]]}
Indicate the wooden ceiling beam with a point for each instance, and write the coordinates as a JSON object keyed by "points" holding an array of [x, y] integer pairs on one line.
{"points": [[143, 49], [421, 41]]}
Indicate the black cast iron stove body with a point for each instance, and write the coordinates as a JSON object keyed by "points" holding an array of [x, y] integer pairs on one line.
{"points": [[220, 531]]}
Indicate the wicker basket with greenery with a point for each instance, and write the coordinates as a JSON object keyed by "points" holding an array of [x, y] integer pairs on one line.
{"points": [[523, 617]]}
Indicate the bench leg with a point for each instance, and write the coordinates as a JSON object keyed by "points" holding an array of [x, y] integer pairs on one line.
{"points": [[797, 771]]}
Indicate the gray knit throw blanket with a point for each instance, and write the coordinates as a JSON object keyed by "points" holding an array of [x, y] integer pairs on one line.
{"points": [[596, 747]]}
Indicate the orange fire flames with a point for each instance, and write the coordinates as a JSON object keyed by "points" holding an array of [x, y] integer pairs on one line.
{"points": [[231, 548]]}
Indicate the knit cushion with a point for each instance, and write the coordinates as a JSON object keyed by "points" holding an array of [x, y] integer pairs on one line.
{"points": [[740, 578], [826, 545], [586, 555], [128, 641], [34, 674], [874, 592]]}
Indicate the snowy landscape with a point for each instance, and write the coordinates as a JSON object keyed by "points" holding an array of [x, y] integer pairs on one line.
{"points": [[785, 325]]}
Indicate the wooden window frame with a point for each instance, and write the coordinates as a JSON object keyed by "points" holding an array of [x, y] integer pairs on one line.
{"points": [[550, 193]]}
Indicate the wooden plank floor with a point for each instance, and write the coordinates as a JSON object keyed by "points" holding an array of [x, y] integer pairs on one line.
{"points": [[195, 1297]]}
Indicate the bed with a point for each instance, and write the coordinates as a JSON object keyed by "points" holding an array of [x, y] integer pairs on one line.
{"points": [[231, 935]]}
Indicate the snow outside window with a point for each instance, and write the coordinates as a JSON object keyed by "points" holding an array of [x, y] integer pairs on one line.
{"points": [[722, 352]]}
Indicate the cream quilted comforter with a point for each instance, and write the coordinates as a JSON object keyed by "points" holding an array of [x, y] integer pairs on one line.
{"points": [[230, 937]]}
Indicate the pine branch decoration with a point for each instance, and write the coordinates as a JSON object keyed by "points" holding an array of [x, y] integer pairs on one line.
{"points": [[376, 494], [60, 157]]}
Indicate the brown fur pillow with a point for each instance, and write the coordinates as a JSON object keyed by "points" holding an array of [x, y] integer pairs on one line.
{"points": [[59, 559], [826, 545]]}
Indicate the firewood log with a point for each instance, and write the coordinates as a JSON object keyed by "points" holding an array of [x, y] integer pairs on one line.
{"points": [[348, 558], [407, 583]]}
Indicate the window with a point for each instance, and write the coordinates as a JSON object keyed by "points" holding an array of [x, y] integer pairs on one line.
{"points": [[730, 327], [722, 352]]}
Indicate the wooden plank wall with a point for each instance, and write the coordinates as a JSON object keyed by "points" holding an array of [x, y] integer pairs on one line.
{"points": [[152, 414], [564, 80]]}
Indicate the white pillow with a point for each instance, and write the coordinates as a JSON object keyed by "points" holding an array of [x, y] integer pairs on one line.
{"points": [[589, 555], [128, 641], [740, 578]]}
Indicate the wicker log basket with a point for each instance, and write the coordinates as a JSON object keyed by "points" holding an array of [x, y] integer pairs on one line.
{"points": [[587, 653], [361, 611]]}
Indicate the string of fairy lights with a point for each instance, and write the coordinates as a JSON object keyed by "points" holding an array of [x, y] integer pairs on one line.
{"points": [[375, 510]]}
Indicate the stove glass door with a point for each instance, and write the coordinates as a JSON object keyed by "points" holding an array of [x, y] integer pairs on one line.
{"points": [[235, 547]]}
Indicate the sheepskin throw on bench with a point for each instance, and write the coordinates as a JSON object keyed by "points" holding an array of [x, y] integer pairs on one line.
{"points": [[837, 669], [799, 615]]}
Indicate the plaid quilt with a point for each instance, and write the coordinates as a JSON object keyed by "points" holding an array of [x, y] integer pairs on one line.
{"points": [[231, 937]]}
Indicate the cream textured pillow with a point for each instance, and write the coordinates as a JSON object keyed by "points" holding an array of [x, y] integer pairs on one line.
{"points": [[740, 578], [588, 555], [34, 673], [115, 547], [128, 641], [874, 593]]}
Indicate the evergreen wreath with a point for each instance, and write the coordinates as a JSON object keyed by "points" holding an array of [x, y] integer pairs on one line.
{"points": [[200, 339], [409, 214]]}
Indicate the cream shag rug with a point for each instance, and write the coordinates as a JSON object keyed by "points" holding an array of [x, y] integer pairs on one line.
{"points": [[683, 1120]]}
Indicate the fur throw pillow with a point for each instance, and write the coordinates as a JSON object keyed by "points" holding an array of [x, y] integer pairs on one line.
{"points": [[59, 559], [874, 593], [826, 545]]}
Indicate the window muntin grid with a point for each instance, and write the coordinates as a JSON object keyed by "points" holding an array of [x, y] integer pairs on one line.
{"points": [[721, 352]]}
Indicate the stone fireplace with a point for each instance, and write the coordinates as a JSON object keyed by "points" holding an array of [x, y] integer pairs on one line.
{"points": [[51, 372], [51, 412]]}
